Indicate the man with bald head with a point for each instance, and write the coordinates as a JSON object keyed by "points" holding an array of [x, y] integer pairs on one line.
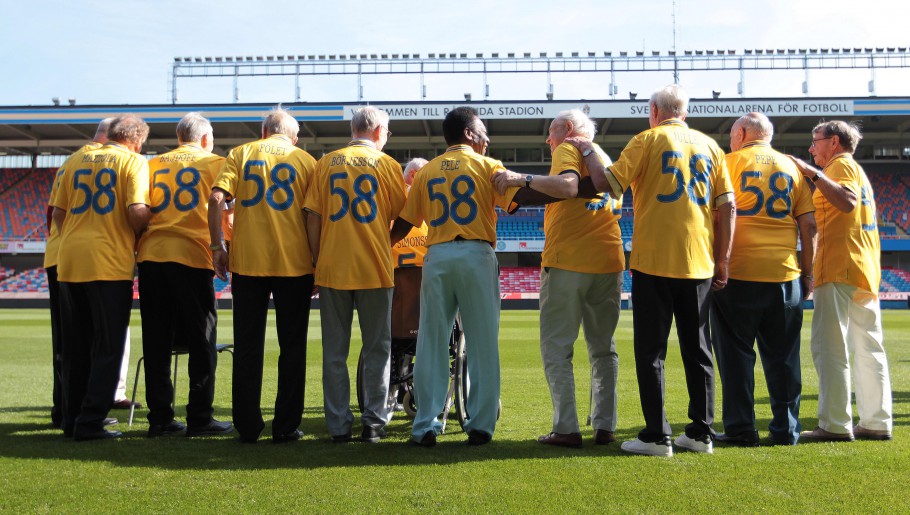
{"points": [[767, 285], [580, 281], [270, 257]]}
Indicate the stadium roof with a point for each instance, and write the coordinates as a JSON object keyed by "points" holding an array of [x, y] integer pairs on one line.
{"points": [[417, 126]]}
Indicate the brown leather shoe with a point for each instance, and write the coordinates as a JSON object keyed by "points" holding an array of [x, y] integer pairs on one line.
{"points": [[603, 437], [861, 433], [820, 435], [562, 439]]}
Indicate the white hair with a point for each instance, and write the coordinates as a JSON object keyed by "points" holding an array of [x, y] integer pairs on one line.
{"points": [[581, 124], [192, 127], [280, 121], [671, 100]]}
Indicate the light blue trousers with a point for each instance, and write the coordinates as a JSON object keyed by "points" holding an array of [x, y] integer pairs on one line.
{"points": [[458, 276]]}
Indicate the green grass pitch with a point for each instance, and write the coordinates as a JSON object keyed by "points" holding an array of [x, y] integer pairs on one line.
{"points": [[40, 471]]}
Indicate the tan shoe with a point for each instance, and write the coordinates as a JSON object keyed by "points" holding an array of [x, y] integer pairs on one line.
{"points": [[862, 433], [562, 439], [820, 435]]}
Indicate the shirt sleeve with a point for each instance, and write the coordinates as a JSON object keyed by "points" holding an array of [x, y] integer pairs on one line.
{"points": [[626, 169], [137, 188], [397, 190], [227, 178], [307, 177], [566, 158], [413, 212]]}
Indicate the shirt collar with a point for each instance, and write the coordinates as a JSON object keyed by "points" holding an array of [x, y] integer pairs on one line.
{"points": [[756, 143], [460, 147], [672, 121], [360, 142]]}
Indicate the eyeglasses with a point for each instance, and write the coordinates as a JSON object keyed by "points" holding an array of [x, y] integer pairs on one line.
{"points": [[819, 139], [388, 133]]}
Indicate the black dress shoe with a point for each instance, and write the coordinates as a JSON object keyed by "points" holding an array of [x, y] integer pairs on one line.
{"points": [[561, 439], [213, 428], [345, 438], [479, 438], [372, 434], [744, 439], [172, 427], [289, 437], [110, 421], [604, 437], [101, 434], [427, 440]]}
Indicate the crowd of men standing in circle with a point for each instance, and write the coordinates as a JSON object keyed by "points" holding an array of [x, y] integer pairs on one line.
{"points": [[714, 248]]}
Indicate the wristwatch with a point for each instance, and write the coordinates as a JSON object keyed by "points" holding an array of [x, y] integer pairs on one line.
{"points": [[528, 180], [816, 177], [587, 153]]}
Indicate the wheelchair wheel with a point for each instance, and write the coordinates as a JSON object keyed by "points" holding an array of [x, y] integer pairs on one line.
{"points": [[463, 382]]}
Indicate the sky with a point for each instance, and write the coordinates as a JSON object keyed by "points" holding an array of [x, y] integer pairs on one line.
{"points": [[122, 52]]}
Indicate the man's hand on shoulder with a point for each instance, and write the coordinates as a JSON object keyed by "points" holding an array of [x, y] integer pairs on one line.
{"points": [[504, 179], [804, 168], [582, 144]]}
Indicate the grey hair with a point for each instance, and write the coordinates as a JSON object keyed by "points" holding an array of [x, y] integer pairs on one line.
{"points": [[128, 128], [757, 124], [414, 164], [366, 119], [280, 121], [671, 99], [848, 133], [103, 127], [581, 124], [192, 127]]}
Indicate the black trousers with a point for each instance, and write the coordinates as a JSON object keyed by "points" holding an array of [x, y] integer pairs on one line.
{"points": [[292, 312], [656, 301], [94, 319], [53, 289], [177, 303], [771, 313]]}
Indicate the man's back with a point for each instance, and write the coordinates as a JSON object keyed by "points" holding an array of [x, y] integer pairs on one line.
{"points": [[96, 192], [179, 184], [676, 174], [358, 191], [455, 197], [268, 178], [582, 235], [770, 194]]}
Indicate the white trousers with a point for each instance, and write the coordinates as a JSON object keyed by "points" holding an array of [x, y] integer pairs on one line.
{"points": [[848, 320]]}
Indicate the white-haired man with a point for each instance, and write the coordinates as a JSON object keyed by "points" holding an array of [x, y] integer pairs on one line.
{"points": [[177, 296], [847, 316], [269, 256], [356, 194], [763, 299], [580, 281], [678, 178], [100, 207]]}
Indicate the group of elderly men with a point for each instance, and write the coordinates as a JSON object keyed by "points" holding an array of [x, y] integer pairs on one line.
{"points": [[331, 223]]}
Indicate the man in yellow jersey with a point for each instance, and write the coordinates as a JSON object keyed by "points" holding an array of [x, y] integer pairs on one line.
{"points": [[176, 293], [356, 194], [847, 315], [455, 196], [764, 296], [269, 255], [100, 207], [407, 256], [678, 178], [580, 283], [50, 268]]}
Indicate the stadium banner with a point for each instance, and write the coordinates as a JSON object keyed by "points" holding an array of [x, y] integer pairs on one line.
{"points": [[22, 247], [618, 109], [519, 246]]}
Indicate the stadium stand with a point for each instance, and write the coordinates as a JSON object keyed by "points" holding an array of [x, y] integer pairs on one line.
{"points": [[892, 194], [895, 280], [24, 206], [10, 176], [31, 280]]}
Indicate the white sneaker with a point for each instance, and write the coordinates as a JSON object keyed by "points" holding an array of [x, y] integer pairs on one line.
{"points": [[691, 444], [636, 446]]}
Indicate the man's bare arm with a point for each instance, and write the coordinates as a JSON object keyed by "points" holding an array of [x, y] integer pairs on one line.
{"points": [[839, 196]]}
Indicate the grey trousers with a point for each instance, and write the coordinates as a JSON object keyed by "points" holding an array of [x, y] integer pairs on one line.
{"points": [[567, 300], [374, 312]]}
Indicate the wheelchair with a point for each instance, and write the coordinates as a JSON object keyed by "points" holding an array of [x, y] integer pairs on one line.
{"points": [[405, 316]]}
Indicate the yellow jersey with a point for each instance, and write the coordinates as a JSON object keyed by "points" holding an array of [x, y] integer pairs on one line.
{"points": [[410, 251], [357, 191], [770, 195], [268, 179], [180, 183], [97, 241], [455, 197], [582, 235], [52, 247], [677, 176], [849, 249]]}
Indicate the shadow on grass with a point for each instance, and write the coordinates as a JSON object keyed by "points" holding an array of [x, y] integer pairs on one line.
{"points": [[38, 440]]}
